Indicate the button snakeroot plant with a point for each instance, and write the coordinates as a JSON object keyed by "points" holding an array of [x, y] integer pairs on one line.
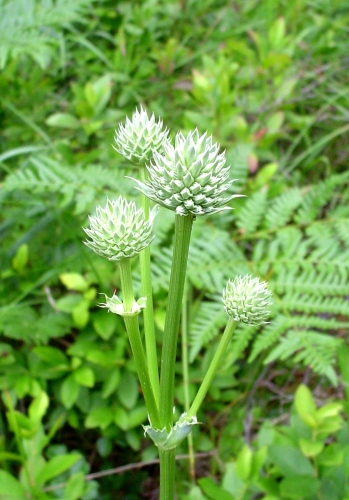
{"points": [[191, 179]]}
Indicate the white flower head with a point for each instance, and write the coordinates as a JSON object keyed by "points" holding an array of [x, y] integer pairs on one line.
{"points": [[139, 137], [247, 299], [119, 230], [190, 177]]}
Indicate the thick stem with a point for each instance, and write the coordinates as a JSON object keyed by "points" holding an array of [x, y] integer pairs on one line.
{"points": [[148, 313], [215, 363], [185, 368], [132, 327], [167, 474], [183, 227]]}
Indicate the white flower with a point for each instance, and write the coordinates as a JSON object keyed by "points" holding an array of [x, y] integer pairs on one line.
{"points": [[247, 299], [119, 230], [190, 177], [140, 137]]}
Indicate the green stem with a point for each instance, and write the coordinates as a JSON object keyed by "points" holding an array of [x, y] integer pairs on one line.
{"points": [[183, 227], [215, 363], [185, 368], [148, 313], [132, 327], [167, 474]]}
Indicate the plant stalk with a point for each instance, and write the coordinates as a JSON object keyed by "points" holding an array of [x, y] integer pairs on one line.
{"points": [[148, 313], [167, 474], [132, 327], [185, 368], [183, 227], [215, 363]]}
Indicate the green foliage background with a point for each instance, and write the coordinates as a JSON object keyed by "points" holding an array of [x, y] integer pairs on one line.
{"points": [[269, 80]]}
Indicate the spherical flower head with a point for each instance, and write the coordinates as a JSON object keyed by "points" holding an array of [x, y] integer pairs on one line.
{"points": [[119, 231], [190, 177], [246, 299], [139, 137]]}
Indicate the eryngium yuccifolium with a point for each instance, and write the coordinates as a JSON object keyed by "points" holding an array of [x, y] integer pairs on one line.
{"points": [[247, 299], [190, 177], [139, 137], [119, 230]]}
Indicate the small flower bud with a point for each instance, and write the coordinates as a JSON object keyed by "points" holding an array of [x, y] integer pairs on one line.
{"points": [[189, 178], [116, 306], [170, 440], [139, 137], [119, 230], [247, 299]]}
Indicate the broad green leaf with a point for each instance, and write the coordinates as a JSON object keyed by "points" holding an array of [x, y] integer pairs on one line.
{"points": [[331, 456], [330, 410], [128, 390], [276, 34], [10, 487], [81, 313], [121, 418], [111, 383], [63, 120], [305, 406], [57, 465], [137, 416], [299, 487], [75, 486], [74, 281], [20, 259], [38, 407], [84, 375], [290, 461], [213, 491], [99, 417], [311, 448], [20, 422], [244, 463], [52, 356], [231, 481], [133, 439], [69, 391], [104, 324]]}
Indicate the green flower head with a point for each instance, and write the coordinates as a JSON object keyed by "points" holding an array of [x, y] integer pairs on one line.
{"points": [[139, 137], [119, 231], [190, 177], [247, 299]]}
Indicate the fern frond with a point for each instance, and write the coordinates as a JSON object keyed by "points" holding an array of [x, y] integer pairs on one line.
{"points": [[209, 319], [241, 338], [213, 258], [269, 335], [33, 27], [317, 197], [250, 216], [282, 208], [310, 348], [83, 185]]}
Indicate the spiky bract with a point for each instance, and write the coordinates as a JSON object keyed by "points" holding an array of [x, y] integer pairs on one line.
{"points": [[247, 299], [119, 230]]}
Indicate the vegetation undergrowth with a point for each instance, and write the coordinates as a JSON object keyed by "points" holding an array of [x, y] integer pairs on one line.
{"points": [[268, 80]]}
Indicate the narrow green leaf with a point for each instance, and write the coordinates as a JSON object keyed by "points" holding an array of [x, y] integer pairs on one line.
{"points": [[57, 465]]}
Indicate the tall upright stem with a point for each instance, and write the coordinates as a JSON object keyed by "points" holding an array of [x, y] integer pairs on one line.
{"points": [[167, 474], [216, 361], [185, 368], [132, 327], [183, 227], [148, 313]]}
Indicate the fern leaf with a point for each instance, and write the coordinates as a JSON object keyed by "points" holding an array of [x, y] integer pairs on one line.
{"points": [[252, 213], [33, 27], [209, 319], [282, 208], [310, 348]]}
